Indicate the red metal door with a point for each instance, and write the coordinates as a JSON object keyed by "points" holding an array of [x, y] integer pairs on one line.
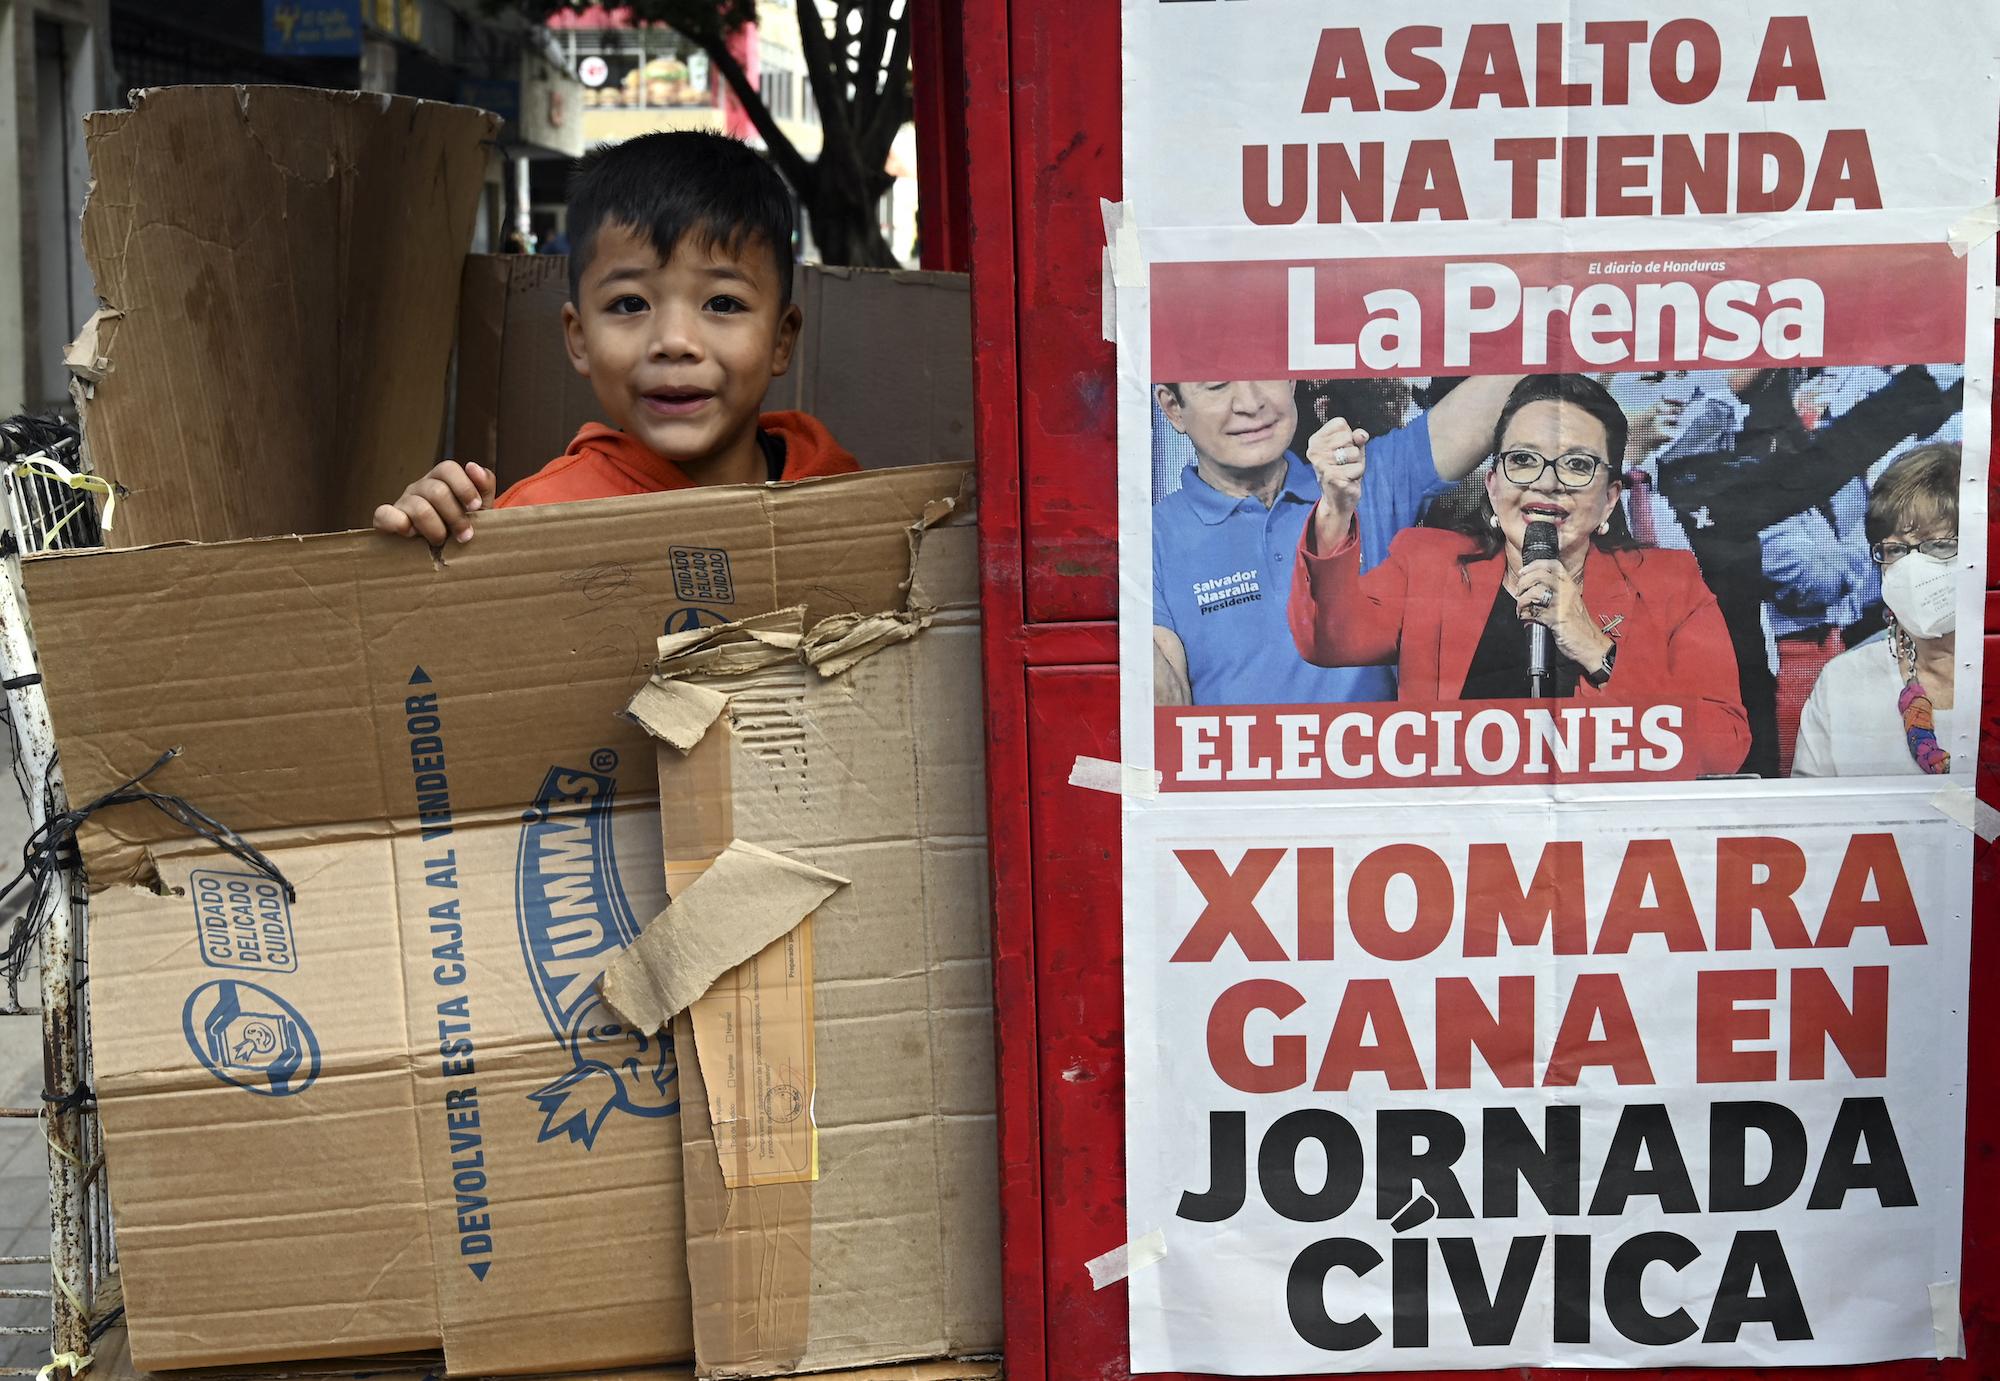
{"points": [[1043, 143]]}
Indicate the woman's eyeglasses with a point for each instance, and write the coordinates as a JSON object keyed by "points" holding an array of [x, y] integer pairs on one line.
{"points": [[1574, 469], [1938, 549]]}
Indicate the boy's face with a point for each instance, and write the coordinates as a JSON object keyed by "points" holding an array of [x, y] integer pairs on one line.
{"points": [[679, 353]]}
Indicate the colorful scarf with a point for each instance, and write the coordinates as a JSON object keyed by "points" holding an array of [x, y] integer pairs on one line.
{"points": [[1919, 722]]}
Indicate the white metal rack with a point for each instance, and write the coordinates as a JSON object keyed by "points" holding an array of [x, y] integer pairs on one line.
{"points": [[82, 1257]]}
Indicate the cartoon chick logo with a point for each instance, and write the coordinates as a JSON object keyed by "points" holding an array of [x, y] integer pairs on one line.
{"points": [[258, 1043]]}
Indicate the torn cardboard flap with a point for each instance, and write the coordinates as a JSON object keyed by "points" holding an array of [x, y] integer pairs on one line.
{"points": [[675, 709], [876, 774], [835, 645], [753, 1040], [935, 512], [85, 358], [749, 897], [309, 339], [728, 649], [675, 712], [944, 555], [678, 712]]}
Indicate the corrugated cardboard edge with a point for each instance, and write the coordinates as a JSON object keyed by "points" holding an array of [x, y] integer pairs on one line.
{"points": [[944, 1369], [677, 711], [111, 1360], [766, 1271], [742, 1311], [760, 1315], [524, 518], [836, 645], [731, 649], [85, 358], [749, 897], [763, 1306]]}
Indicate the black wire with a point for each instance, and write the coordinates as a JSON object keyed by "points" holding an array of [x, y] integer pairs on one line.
{"points": [[52, 846], [99, 1328], [49, 433], [68, 1102], [53, 508], [20, 764]]}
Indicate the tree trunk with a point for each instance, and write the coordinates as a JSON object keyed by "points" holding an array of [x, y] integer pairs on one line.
{"points": [[844, 224]]}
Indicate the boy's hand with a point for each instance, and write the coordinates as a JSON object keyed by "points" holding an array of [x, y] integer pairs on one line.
{"points": [[440, 505]]}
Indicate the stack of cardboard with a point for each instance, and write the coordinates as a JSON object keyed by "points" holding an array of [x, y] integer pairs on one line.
{"points": [[374, 1100], [278, 270], [882, 361], [837, 1121]]}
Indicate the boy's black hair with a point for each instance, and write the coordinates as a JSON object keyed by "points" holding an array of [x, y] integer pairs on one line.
{"points": [[680, 183]]}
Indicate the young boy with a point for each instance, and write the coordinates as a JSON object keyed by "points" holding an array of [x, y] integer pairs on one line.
{"points": [[680, 315]]}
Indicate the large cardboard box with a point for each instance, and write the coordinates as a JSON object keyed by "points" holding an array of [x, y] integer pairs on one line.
{"points": [[111, 1360], [279, 272], [840, 1158], [391, 1112], [884, 360], [283, 273], [517, 399]]}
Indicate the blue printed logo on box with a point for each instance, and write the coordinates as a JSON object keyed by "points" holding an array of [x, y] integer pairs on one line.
{"points": [[243, 921], [574, 919], [250, 1037], [701, 575], [688, 619]]}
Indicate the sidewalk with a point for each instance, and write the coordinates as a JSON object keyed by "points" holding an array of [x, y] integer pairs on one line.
{"points": [[24, 1180]]}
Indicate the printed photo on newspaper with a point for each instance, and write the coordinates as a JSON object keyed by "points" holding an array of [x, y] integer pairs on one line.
{"points": [[1560, 446], [1582, 576]]}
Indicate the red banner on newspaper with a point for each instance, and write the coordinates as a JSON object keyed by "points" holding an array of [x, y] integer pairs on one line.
{"points": [[1459, 743], [1686, 309]]}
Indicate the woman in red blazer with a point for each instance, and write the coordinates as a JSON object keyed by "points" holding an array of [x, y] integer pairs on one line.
{"points": [[1451, 609]]}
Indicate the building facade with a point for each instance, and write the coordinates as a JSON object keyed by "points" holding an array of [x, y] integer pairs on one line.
{"points": [[61, 59], [55, 66], [641, 77]]}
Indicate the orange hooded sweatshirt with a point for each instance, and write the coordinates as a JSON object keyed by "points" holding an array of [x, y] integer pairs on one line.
{"points": [[604, 463]]}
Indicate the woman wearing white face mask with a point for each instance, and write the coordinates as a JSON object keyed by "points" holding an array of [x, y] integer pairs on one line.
{"points": [[1886, 707]]}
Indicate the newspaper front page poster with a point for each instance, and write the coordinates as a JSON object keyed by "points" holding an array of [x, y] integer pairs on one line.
{"points": [[1553, 455]]}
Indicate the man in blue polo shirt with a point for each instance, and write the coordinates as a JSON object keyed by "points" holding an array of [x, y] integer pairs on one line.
{"points": [[1223, 542]]}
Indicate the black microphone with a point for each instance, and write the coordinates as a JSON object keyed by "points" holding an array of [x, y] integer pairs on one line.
{"points": [[1538, 543]]}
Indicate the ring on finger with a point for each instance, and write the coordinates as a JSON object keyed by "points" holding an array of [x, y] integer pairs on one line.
{"points": [[1548, 597]]}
